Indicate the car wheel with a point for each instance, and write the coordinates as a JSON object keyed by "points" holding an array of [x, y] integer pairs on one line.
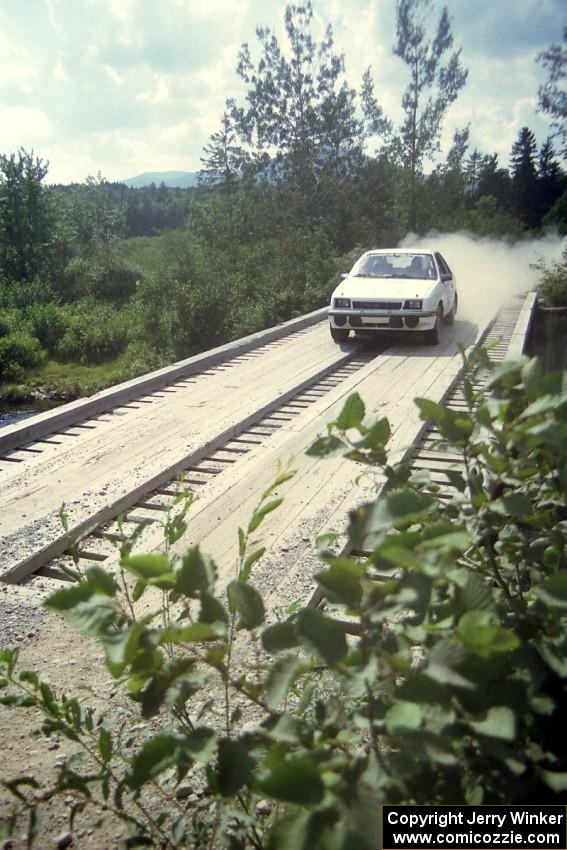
{"points": [[433, 337], [339, 334], [450, 317]]}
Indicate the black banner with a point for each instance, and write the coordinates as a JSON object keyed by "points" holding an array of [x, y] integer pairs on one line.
{"points": [[474, 827]]}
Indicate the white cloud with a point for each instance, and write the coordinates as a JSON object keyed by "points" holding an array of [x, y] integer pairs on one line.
{"points": [[158, 93], [23, 126], [127, 85], [59, 72], [113, 75]]}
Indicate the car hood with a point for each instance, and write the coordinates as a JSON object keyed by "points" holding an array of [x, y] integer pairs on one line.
{"points": [[382, 288]]}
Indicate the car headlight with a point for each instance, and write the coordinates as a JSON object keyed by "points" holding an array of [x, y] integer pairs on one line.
{"points": [[413, 305], [342, 302]]}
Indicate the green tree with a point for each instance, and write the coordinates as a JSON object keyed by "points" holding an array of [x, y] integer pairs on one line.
{"points": [[223, 158], [552, 96], [524, 175], [299, 118], [27, 217], [473, 168], [446, 186], [434, 85], [551, 181], [495, 182]]}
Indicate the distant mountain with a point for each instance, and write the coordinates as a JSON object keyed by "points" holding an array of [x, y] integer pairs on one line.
{"points": [[182, 179]]}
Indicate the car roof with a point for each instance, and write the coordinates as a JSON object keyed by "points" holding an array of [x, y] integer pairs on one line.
{"points": [[400, 251]]}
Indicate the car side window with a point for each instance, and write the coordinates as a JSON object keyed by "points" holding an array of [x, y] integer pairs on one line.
{"points": [[443, 267]]}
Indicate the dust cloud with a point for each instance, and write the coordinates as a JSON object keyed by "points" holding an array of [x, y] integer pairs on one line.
{"points": [[488, 271]]}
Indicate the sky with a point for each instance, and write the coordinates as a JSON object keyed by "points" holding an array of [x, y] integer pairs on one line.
{"points": [[121, 87]]}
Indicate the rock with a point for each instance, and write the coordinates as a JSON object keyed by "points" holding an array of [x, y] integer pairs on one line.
{"points": [[263, 807], [63, 840], [53, 743], [183, 791]]}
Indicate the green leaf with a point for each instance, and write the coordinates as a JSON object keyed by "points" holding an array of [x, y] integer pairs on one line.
{"points": [[325, 446], [403, 717], [352, 414], [262, 512], [400, 556], [139, 589], [148, 566], [212, 610], [553, 589], [281, 676], [105, 744], [323, 635], [201, 744], [301, 831], [197, 573], [342, 582], [244, 574], [481, 635], [400, 509], [154, 757], [376, 436], [101, 581], [121, 647], [456, 427], [448, 544], [241, 543], [293, 780], [279, 637], [476, 594], [89, 611], [170, 682], [194, 633], [515, 504], [235, 766], [545, 404], [248, 603], [500, 722]]}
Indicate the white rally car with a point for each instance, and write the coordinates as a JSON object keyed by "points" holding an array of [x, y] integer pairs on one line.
{"points": [[395, 289]]}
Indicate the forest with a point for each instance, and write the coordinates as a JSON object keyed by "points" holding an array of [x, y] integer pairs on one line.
{"points": [[100, 282]]}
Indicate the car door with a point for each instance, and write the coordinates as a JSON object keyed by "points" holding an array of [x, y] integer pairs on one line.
{"points": [[447, 282]]}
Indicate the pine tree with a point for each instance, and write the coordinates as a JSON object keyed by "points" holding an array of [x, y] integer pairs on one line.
{"points": [[548, 166], [26, 216], [473, 169], [223, 158], [523, 169], [551, 181]]}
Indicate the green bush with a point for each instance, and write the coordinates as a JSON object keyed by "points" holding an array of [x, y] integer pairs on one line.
{"points": [[436, 673], [552, 287], [49, 322], [10, 322], [17, 354], [93, 333], [116, 282], [137, 359]]}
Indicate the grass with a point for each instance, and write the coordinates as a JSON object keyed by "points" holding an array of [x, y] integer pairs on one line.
{"points": [[63, 380]]}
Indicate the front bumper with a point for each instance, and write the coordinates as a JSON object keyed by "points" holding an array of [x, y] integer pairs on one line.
{"points": [[407, 320]]}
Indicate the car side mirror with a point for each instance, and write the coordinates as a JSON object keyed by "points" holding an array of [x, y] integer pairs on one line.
{"points": [[343, 275], [445, 276]]}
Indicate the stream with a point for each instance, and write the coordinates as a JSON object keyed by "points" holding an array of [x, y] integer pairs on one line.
{"points": [[12, 412]]}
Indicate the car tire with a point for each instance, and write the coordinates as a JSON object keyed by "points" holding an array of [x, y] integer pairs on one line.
{"points": [[433, 337], [450, 317], [339, 334]]}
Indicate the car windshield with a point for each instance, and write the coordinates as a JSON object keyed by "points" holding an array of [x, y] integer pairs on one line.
{"points": [[395, 266]]}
